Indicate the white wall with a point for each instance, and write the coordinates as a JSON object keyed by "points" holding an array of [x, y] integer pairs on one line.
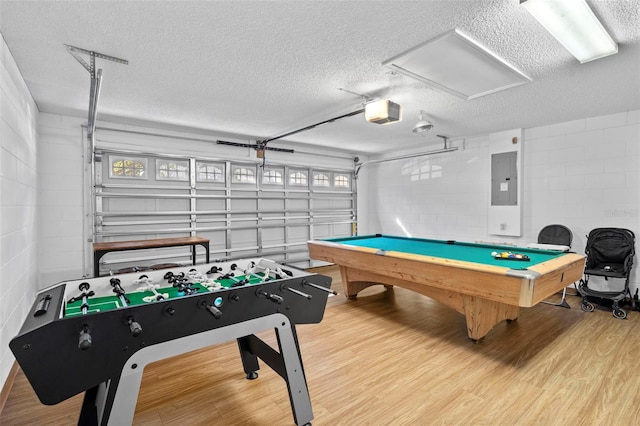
{"points": [[18, 204], [438, 196], [61, 196], [584, 174]]}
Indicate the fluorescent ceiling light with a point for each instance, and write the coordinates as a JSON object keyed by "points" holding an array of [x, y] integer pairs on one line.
{"points": [[383, 112], [573, 23], [455, 63]]}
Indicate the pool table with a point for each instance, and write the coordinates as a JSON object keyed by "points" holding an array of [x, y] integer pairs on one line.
{"points": [[464, 276]]}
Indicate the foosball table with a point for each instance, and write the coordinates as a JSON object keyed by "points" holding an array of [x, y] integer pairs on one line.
{"points": [[97, 335]]}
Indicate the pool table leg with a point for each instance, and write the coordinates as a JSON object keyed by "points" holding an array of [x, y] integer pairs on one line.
{"points": [[351, 283], [482, 315]]}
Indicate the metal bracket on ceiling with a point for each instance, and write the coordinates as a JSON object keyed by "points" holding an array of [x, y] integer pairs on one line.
{"points": [[445, 140], [365, 99], [96, 82], [91, 67]]}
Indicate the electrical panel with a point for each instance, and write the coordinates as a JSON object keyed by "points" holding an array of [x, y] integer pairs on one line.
{"points": [[504, 179]]}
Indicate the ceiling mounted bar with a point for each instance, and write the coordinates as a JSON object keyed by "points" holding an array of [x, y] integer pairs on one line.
{"points": [[254, 146], [312, 126], [403, 157], [365, 99], [261, 145], [94, 95], [96, 81]]}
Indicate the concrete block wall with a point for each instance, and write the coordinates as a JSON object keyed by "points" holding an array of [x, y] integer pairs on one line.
{"points": [[18, 204], [584, 174], [61, 194]]}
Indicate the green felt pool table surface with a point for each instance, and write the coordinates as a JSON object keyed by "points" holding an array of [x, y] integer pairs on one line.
{"points": [[467, 252]]}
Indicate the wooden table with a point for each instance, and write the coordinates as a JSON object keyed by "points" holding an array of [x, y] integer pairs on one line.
{"points": [[100, 249]]}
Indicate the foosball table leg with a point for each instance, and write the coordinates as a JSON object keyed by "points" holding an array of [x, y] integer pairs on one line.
{"points": [[287, 363], [294, 374], [88, 412], [249, 359], [99, 401]]}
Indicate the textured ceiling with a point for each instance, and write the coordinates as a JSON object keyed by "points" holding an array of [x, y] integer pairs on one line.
{"points": [[258, 69]]}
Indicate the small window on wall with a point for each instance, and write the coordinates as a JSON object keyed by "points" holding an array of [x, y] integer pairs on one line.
{"points": [[341, 181], [321, 179], [207, 172], [298, 178], [243, 175], [172, 170], [272, 177], [127, 167]]}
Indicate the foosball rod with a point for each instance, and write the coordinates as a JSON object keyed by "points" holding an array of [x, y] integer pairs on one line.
{"points": [[319, 287], [84, 339]]}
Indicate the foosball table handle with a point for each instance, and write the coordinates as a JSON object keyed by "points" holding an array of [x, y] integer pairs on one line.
{"points": [[84, 341], [275, 298], [134, 327], [217, 313], [43, 306]]}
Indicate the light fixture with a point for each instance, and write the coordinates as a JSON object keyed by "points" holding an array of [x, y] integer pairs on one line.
{"points": [[424, 125], [383, 112], [457, 64], [575, 26]]}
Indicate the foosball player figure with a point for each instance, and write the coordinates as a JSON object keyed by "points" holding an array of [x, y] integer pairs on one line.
{"points": [[119, 291], [214, 269], [231, 276]]}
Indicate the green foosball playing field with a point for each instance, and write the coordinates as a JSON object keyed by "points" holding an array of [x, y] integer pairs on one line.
{"points": [[106, 303]]}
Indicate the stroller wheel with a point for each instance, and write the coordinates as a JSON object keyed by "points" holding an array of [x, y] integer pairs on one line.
{"points": [[588, 307], [619, 313]]}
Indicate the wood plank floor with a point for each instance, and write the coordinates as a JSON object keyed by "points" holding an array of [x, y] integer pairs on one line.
{"points": [[398, 358]]}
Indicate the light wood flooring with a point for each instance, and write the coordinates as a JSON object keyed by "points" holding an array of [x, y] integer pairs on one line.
{"points": [[393, 357]]}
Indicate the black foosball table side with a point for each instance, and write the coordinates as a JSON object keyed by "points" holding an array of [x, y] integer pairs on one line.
{"points": [[110, 370]]}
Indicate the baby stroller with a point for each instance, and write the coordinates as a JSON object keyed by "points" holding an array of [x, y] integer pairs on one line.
{"points": [[610, 254]]}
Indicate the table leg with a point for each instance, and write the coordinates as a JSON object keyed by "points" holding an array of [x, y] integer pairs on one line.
{"points": [[482, 315], [353, 282], [97, 255]]}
